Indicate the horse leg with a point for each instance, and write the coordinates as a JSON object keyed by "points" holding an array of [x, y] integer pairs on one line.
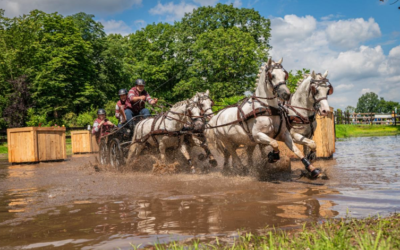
{"points": [[302, 140], [162, 147], [134, 151], [203, 144], [236, 162], [184, 150], [315, 172], [266, 140], [250, 163]]}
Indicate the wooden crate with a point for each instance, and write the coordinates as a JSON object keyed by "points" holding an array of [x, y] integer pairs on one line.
{"points": [[34, 144], [324, 137], [83, 142]]}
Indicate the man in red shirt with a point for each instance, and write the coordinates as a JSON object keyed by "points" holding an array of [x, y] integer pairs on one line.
{"points": [[138, 96]]}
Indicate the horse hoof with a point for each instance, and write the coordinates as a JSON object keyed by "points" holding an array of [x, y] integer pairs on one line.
{"points": [[213, 163], [201, 157], [316, 173], [312, 156], [273, 157]]}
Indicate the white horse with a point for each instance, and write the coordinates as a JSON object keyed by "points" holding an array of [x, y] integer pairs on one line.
{"points": [[258, 120], [205, 103], [163, 131], [311, 96]]}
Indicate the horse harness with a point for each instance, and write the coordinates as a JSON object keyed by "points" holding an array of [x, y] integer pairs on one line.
{"points": [[300, 119], [163, 116]]}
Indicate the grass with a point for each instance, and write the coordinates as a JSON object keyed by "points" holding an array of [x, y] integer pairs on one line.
{"points": [[3, 148], [343, 130], [370, 233]]}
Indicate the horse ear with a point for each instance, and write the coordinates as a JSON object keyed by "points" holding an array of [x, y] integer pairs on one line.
{"points": [[207, 92], [280, 61], [325, 74], [313, 74], [269, 62], [196, 99]]}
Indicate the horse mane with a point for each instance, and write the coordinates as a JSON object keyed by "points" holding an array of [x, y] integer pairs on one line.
{"points": [[181, 103], [261, 75]]}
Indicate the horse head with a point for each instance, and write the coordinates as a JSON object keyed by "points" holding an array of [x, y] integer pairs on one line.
{"points": [[276, 77], [319, 90], [195, 114], [205, 103]]}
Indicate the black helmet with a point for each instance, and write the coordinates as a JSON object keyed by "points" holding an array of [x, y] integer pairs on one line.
{"points": [[140, 82], [101, 112], [122, 92]]}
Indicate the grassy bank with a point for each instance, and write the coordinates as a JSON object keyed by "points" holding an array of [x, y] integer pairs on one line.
{"points": [[343, 131], [370, 233], [3, 148]]}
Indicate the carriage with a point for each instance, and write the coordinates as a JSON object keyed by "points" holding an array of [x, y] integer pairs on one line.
{"points": [[114, 146]]}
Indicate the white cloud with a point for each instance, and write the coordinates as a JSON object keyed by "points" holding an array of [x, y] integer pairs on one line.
{"points": [[236, 3], [172, 11], [18, 7], [331, 16], [116, 27], [350, 33], [304, 42], [363, 91], [292, 27], [344, 87], [140, 24], [206, 2]]}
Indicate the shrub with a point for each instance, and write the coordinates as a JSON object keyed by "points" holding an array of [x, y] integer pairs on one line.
{"points": [[34, 120], [70, 119]]}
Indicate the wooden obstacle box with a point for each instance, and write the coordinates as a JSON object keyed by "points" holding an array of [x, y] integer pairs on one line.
{"points": [[324, 137], [83, 142], [35, 144]]}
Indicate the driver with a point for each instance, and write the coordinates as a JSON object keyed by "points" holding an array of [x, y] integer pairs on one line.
{"points": [[138, 96]]}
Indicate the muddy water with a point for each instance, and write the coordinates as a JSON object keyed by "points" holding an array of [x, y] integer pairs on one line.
{"points": [[69, 205]]}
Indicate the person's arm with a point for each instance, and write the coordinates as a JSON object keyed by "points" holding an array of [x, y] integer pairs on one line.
{"points": [[95, 128], [117, 112], [134, 98], [150, 100]]}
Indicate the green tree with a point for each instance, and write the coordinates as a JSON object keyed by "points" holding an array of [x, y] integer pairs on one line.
{"points": [[367, 103], [224, 62], [151, 56], [350, 109], [295, 77]]}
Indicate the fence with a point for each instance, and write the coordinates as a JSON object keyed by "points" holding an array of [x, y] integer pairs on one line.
{"points": [[343, 117]]}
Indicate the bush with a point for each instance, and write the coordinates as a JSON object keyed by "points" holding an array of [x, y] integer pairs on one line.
{"points": [[226, 102], [86, 118], [69, 120], [35, 120]]}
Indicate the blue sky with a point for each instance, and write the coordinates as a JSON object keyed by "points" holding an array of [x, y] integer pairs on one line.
{"points": [[358, 41]]}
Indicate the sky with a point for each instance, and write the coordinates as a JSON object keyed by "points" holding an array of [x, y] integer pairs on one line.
{"points": [[357, 41]]}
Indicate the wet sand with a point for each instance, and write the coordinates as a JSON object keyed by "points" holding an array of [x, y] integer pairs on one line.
{"points": [[70, 205]]}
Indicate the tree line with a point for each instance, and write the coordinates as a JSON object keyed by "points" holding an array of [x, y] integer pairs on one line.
{"points": [[57, 69], [371, 103]]}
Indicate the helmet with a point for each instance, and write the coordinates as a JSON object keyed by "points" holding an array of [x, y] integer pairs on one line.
{"points": [[101, 112], [140, 82], [122, 92]]}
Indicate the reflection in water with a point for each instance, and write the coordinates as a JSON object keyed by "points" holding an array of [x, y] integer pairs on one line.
{"points": [[369, 182], [146, 219], [363, 178]]}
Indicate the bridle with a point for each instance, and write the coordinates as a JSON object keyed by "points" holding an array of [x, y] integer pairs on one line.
{"points": [[199, 103], [268, 79], [314, 84]]}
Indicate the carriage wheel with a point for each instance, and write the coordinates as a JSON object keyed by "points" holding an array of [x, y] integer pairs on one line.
{"points": [[116, 154], [103, 152]]}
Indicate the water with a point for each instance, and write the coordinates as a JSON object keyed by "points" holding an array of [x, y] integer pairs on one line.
{"points": [[68, 205]]}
